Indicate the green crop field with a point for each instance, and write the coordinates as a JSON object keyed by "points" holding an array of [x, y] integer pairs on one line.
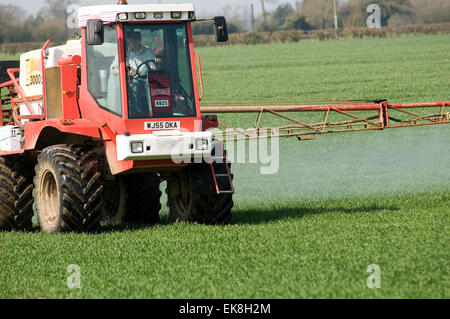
{"points": [[337, 204], [5, 57]]}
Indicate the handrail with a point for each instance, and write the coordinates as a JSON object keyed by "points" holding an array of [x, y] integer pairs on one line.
{"points": [[200, 74], [44, 93]]}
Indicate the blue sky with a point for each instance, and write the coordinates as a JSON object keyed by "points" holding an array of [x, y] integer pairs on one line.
{"points": [[202, 6]]}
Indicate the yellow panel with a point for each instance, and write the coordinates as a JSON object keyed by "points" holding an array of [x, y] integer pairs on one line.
{"points": [[53, 93]]}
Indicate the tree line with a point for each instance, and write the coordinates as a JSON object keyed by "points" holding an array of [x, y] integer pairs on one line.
{"points": [[319, 14], [48, 23]]}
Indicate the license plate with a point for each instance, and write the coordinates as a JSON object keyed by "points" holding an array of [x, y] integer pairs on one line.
{"points": [[162, 103], [163, 125]]}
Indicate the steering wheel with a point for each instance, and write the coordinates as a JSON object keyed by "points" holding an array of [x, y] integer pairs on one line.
{"points": [[149, 67]]}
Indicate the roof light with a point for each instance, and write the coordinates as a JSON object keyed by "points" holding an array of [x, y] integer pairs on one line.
{"points": [[175, 14], [140, 15], [122, 2], [122, 16]]}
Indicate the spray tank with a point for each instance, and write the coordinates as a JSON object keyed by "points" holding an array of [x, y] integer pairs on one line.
{"points": [[31, 72]]}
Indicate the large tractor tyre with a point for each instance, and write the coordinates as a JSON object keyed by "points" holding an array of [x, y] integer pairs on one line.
{"points": [[132, 199], [67, 189], [192, 196], [16, 193], [144, 199], [114, 200]]}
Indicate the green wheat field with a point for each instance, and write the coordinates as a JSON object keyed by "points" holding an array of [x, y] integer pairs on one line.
{"points": [[337, 204]]}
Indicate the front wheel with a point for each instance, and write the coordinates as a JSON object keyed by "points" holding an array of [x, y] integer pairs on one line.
{"points": [[67, 189], [192, 196]]}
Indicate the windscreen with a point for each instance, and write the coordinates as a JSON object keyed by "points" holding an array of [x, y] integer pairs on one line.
{"points": [[159, 73]]}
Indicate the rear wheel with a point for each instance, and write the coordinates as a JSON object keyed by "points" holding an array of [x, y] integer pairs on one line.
{"points": [[144, 199], [115, 199], [68, 189], [192, 196], [16, 188], [133, 199]]}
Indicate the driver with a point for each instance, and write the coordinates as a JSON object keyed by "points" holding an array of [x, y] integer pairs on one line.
{"points": [[138, 54], [135, 56]]}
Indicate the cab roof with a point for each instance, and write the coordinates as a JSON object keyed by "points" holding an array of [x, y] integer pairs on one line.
{"points": [[153, 12]]}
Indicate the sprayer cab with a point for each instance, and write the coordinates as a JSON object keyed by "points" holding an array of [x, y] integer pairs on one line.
{"points": [[143, 53], [146, 53], [141, 68]]}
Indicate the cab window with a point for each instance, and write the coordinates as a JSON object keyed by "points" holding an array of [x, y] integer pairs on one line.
{"points": [[103, 72]]}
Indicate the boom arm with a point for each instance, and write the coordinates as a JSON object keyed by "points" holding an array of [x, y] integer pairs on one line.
{"points": [[336, 118]]}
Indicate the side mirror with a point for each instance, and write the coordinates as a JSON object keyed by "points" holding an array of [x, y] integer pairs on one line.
{"points": [[220, 28], [94, 32]]}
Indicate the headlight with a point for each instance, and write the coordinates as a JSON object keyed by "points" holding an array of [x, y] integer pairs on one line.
{"points": [[201, 144], [137, 147]]}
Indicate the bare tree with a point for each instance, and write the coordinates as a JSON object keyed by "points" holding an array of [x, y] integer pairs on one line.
{"points": [[11, 22], [319, 13], [53, 18], [436, 11], [282, 12]]}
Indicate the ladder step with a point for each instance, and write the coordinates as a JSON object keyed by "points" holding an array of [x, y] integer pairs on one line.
{"points": [[216, 176], [218, 160], [225, 192]]}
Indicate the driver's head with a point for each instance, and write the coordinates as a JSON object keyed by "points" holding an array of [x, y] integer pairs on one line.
{"points": [[134, 41]]}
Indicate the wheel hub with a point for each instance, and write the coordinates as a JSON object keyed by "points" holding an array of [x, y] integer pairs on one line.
{"points": [[50, 197]]}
